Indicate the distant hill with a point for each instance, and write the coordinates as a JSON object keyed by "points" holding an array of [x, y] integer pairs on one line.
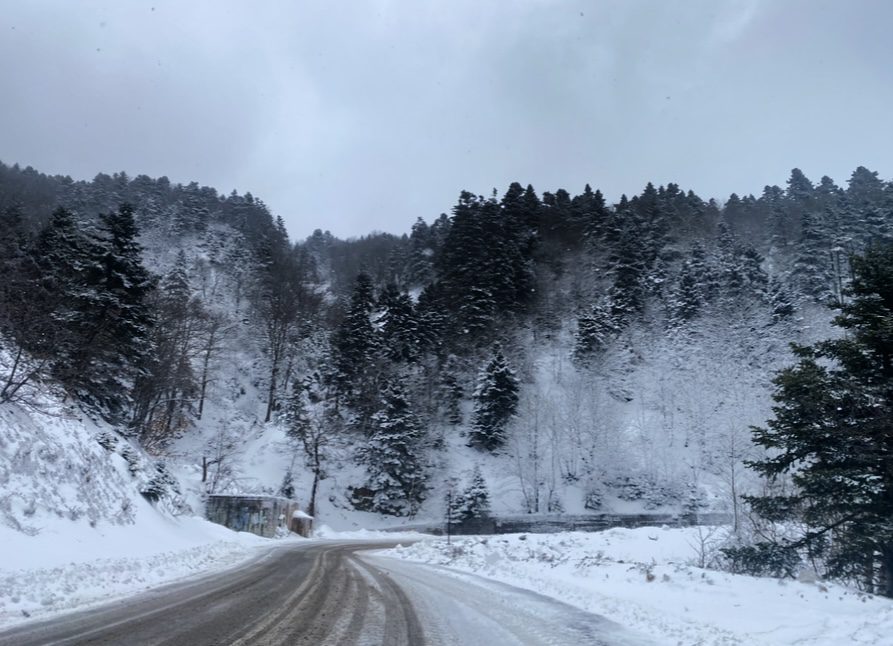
{"points": [[585, 356]]}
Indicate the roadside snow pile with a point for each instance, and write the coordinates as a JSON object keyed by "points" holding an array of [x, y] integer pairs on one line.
{"points": [[52, 467], [370, 534], [74, 526], [647, 579], [70, 566]]}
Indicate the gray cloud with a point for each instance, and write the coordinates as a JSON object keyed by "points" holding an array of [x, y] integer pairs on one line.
{"points": [[365, 115]]}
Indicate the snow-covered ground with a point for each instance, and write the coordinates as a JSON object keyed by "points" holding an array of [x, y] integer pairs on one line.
{"points": [[647, 580], [460, 608], [71, 566], [74, 529]]}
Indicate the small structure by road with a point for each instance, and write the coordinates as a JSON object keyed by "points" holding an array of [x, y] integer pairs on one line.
{"points": [[262, 515]]}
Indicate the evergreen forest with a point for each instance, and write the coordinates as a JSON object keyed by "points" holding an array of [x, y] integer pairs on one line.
{"points": [[526, 351]]}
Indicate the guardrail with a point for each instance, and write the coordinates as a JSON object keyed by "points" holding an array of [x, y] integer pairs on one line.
{"points": [[543, 524]]}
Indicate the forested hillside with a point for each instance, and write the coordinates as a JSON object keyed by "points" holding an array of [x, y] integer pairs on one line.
{"points": [[534, 352]]}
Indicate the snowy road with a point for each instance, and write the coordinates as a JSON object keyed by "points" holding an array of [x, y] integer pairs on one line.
{"points": [[458, 608], [328, 593]]}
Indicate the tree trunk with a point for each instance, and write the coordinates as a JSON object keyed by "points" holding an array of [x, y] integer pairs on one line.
{"points": [[204, 383], [5, 394], [886, 583], [311, 506], [271, 398], [735, 520]]}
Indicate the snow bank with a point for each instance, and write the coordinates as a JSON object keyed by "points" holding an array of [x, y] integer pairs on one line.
{"points": [[646, 579], [70, 566], [370, 534], [51, 466], [75, 530]]}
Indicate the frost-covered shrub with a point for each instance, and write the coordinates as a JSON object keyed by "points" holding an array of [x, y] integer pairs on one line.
{"points": [[554, 504], [107, 440], [593, 499], [132, 457], [160, 485], [651, 493], [694, 501], [287, 488], [473, 502], [762, 559]]}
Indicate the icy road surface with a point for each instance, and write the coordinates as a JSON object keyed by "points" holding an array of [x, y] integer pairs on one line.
{"points": [[331, 593], [457, 608]]}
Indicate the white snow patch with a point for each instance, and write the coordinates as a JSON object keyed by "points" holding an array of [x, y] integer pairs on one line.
{"points": [[327, 532], [70, 566], [646, 579]]}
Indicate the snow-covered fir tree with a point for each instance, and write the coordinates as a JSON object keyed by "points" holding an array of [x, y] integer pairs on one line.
{"points": [[474, 500], [495, 403], [595, 330], [394, 458]]}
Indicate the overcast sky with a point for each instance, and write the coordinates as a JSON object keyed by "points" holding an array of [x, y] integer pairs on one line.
{"points": [[356, 116]]}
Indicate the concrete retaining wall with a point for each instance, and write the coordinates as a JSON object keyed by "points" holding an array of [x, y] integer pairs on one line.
{"points": [[261, 515]]}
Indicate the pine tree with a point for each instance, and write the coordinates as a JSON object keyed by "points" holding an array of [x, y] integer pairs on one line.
{"points": [[13, 238], [54, 267], [287, 488], [828, 197], [778, 223], [741, 277], [831, 433], [399, 326], [532, 208], [484, 268], [432, 321], [654, 226], [595, 330], [356, 345], [780, 300], [630, 266], [477, 313], [397, 482], [60, 255], [591, 214], [703, 272], [865, 189], [800, 190], [462, 286], [687, 298], [108, 320], [502, 271], [422, 248], [811, 270], [474, 501], [451, 391], [495, 403], [513, 204], [557, 220]]}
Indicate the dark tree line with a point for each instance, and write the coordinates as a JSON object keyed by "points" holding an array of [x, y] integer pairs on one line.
{"points": [[491, 270], [75, 301], [406, 327], [78, 307]]}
